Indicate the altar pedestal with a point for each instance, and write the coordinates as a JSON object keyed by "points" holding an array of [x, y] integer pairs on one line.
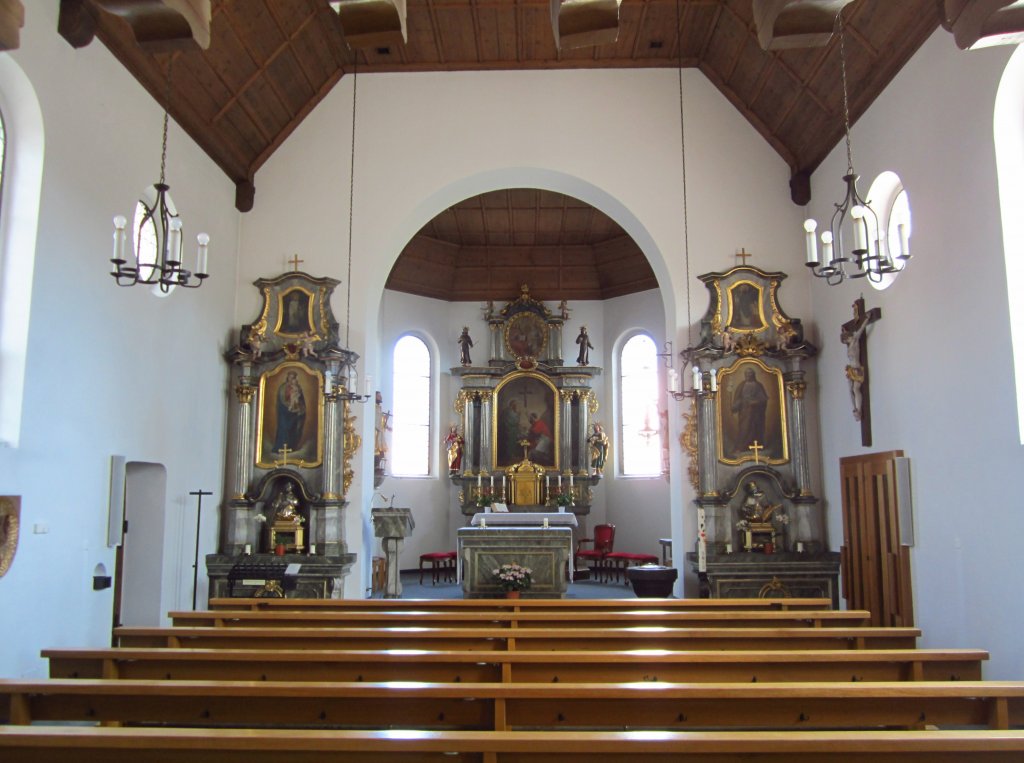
{"points": [[770, 576], [392, 525], [546, 551]]}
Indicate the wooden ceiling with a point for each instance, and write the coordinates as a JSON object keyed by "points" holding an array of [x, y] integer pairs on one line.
{"points": [[270, 62], [486, 247]]}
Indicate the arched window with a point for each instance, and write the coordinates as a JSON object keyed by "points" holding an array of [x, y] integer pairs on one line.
{"points": [[410, 423], [1008, 128], [638, 390]]}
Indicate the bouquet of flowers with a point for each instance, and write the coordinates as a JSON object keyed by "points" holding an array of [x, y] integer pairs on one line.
{"points": [[563, 499], [513, 577], [484, 500]]}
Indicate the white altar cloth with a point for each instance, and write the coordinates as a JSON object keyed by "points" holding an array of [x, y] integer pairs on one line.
{"points": [[525, 519]]}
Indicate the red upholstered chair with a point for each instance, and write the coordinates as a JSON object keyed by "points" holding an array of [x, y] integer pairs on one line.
{"points": [[441, 563], [617, 562], [603, 540]]}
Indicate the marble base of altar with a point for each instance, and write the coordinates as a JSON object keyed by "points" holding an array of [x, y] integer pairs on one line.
{"points": [[319, 577], [546, 551], [770, 576]]}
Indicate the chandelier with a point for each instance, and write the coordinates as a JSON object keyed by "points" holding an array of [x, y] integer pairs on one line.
{"points": [[870, 256], [155, 258]]}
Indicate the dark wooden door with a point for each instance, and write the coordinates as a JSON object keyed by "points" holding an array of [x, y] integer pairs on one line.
{"points": [[876, 565]]}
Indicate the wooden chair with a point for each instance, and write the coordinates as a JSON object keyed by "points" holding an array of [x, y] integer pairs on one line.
{"points": [[441, 563], [603, 542]]}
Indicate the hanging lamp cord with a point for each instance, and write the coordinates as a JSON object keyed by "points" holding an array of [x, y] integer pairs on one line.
{"points": [[351, 197], [167, 106], [682, 149]]}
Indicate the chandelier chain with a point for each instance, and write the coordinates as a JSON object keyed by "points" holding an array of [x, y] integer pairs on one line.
{"points": [[167, 106], [846, 97], [351, 197], [682, 148]]}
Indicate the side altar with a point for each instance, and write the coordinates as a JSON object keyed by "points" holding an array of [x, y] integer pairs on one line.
{"points": [[760, 525], [290, 441]]}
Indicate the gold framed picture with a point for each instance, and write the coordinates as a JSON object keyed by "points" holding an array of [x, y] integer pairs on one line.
{"points": [[746, 308], [288, 422], [295, 312], [526, 335], [525, 410], [751, 414]]}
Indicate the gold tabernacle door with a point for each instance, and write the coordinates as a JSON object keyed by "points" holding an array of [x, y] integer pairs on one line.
{"points": [[525, 480]]}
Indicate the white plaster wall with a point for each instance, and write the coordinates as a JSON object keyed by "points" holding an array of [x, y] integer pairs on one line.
{"points": [[940, 359], [109, 370], [426, 141]]}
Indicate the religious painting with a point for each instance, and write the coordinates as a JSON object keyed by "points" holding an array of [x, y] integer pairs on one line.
{"points": [[295, 312], [526, 335], [525, 420], [751, 416], [289, 418], [746, 309], [10, 519]]}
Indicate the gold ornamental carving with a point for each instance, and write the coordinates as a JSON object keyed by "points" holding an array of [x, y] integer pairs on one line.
{"points": [[10, 523], [245, 393], [350, 444], [776, 589], [590, 398], [464, 396], [797, 389], [748, 346], [688, 439]]}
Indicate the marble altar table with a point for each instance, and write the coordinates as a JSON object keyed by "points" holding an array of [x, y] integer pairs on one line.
{"points": [[545, 550]]}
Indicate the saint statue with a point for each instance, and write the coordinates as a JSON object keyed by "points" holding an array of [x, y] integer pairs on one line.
{"points": [[464, 344], [755, 509], [598, 442], [583, 341], [286, 505], [454, 443]]}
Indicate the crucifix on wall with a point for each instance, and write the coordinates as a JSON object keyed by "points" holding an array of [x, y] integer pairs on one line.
{"points": [[854, 336]]}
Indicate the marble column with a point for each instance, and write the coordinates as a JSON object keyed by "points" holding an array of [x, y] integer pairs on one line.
{"points": [[470, 458], [239, 529], [708, 443], [796, 386], [565, 434], [486, 461], [586, 398]]}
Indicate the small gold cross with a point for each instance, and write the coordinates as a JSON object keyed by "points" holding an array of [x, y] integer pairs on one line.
{"points": [[285, 450], [294, 262], [743, 254], [756, 447]]}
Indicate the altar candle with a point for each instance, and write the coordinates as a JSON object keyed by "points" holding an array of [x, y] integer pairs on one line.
{"points": [[312, 549], [728, 548], [547, 482], [483, 522], [570, 481], [492, 483], [479, 480], [503, 486], [248, 549], [545, 523], [559, 481]]}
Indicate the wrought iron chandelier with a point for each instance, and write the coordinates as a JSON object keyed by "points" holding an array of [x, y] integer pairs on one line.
{"points": [[158, 263], [870, 256]]}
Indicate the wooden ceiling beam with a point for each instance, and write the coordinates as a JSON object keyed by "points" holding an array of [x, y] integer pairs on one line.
{"points": [[12, 19], [157, 25], [788, 24], [582, 23], [372, 23], [982, 23]]}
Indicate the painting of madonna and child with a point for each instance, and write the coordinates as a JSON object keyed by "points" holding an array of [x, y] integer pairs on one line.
{"points": [[525, 412], [289, 417]]}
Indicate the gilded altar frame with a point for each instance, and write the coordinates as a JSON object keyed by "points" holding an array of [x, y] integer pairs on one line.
{"points": [[522, 396], [308, 451]]}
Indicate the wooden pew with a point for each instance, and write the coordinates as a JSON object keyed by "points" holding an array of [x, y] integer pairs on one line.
{"points": [[515, 667], [492, 639], [527, 706], [146, 745], [575, 618], [520, 605]]}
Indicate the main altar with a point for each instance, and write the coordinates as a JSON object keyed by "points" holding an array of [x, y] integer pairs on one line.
{"points": [[526, 438]]}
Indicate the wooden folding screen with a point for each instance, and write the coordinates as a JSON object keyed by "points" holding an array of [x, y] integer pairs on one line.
{"points": [[876, 565]]}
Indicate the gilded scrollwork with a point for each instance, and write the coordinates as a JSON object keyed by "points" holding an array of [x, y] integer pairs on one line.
{"points": [[796, 389], [748, 346], [350, 444], [463, 397], [688, 439], [590, 398]]}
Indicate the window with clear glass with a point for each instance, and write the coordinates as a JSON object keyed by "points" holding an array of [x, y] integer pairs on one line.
{"points": [[3, 156], [410, 422], [641, 430]]}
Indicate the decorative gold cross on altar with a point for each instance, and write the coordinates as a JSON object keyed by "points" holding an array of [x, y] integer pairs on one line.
{"points": [[742, 255], [756, 447], [285, 450], [294, 262]]}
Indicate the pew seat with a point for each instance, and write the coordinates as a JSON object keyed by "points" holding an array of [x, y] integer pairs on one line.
{"points": [[560, 605], [30, 744]]}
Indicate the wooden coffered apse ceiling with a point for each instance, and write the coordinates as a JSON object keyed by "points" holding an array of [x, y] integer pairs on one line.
{"points": [[270, 62]]}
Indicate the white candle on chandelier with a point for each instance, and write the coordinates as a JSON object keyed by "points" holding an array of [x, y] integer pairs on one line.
{"points": [[174, 241], [201, 255], [714, 380], [696, 379], [810, 226], [673, 381], [859, 239], [904, 234], [369, 386], [826, 247], [119, 223]]}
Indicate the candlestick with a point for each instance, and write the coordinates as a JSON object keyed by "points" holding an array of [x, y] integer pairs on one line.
{"points": [[545, 523], [570, 482]]}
